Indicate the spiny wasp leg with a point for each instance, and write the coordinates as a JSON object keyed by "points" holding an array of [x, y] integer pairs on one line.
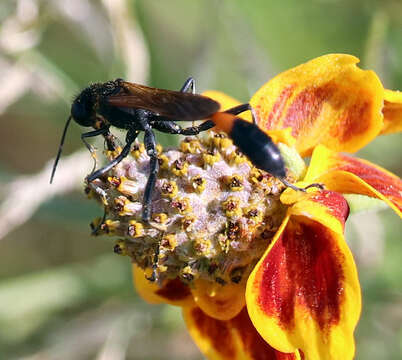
{"points": [[188, 86], [154, 275], [150, 145], [241, 108], [170, 127], [96, 227], [131, 136], [290, 185], [101, 131]]}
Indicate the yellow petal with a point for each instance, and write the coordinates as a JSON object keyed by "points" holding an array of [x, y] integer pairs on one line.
{"points": [[173, 292], [222, 302], [392, 112], [346, 174], [304, 293], [326, 207], [328, 100]]}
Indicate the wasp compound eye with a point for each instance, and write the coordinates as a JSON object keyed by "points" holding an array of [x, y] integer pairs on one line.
{"points": [[81, 114]]}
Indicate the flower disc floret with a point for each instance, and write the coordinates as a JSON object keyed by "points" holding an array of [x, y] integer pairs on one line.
{"points": [[207, 212]]}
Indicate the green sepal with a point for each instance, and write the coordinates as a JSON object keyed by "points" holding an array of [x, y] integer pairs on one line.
{"points": [[293, 161], [358, 203]]}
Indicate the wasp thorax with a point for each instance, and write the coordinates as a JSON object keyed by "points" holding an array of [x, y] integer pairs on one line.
{"points": [[212, 216]]}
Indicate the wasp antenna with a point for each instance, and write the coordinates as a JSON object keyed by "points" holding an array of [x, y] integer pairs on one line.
{"points": [[60, 148]]}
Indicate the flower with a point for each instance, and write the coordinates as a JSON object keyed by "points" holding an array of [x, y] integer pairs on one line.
{"points": [[268, 275]]}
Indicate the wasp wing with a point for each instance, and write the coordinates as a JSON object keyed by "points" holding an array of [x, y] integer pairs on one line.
{"points": [[172, 104]]}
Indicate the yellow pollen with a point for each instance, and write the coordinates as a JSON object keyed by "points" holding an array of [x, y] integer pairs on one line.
{"points": [[255, 175], [236, 159], [224, 242], [190, 145], [231, 206], [182, 205], [233, 230], [110, 226], [198, 183], [179, 167], [163, 162], [234, 182], [169, 242], [202, 246], [162, 256], [169, 189], [253, 213], [262, 180], [211, 158], [220, 141], [137, 150], [120, 203], [111, 154], [114, 181], [159, 149], [135, 229], [127, 187], [187, 222], [187, 273], [160, 218], [120, 248]]}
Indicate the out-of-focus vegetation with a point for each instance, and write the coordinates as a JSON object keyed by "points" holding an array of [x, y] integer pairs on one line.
{"points": [[63, 293]]}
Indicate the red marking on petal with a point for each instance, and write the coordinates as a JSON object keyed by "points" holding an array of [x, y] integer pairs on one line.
{"points": [[270, 121], [306, 107], [254, 345], [389, 186], [353, 120], [279, 106], [303, 268], [174, 290], [218, 332], [335, 202]]}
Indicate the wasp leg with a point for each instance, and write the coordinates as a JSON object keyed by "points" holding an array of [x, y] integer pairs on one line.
{"points": [[150, 146], [188, 86], [170, 127], [241, 108], [101, 131], [111, 141], [316, 185], [154, 275], [131, 136], [95, 229]]}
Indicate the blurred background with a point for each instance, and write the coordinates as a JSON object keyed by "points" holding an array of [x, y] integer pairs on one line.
{"points": [[63, 293]]}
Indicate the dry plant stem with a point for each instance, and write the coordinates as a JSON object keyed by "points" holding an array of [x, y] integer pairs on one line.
{"points": [[129, 39], [25, 194]]}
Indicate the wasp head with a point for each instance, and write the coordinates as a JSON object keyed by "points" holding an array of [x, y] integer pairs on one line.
{"points": [[82, 109]]}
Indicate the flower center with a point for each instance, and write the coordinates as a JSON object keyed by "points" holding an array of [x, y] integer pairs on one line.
{"points": [[213, 212]]}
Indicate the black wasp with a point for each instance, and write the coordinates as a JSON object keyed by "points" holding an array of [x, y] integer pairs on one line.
{"points": [[137, 108]]}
